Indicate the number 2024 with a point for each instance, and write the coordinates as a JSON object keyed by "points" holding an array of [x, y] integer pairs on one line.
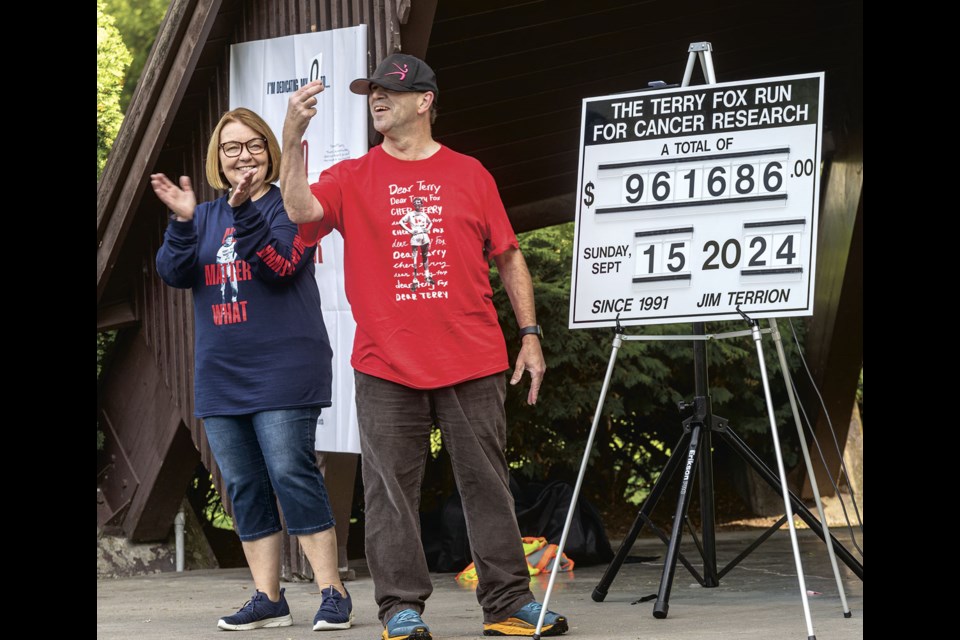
{"points": [[728, 254]]}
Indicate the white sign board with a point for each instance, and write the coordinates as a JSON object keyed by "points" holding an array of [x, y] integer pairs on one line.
{"points": [[695, 200], [263, 74]]}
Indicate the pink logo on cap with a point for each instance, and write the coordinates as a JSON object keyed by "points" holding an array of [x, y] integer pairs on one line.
{"points": [[401, 71]]}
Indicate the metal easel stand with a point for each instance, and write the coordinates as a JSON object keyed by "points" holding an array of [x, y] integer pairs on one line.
{"points": [[688, 450], [697, 434], [702, 51]]}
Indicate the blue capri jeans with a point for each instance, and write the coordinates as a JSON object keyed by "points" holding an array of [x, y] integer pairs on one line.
{"points": [[267, 456]]}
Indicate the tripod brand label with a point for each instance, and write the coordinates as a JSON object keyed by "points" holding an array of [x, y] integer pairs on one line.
{"points": [[688, 469]]}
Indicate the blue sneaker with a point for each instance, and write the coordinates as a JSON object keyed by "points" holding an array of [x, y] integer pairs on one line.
{"points": [[406, 625], [258, 612], [524, 623], [335, 612]]}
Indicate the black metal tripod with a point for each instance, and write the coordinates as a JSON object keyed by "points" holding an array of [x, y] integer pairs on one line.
{"points": [[698, 429]]}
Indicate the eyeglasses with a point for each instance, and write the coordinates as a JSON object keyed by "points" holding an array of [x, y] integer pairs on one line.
{"points": [[255, 146]]}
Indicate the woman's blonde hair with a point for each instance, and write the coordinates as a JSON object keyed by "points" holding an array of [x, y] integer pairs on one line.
{"points": [[215, 175]]}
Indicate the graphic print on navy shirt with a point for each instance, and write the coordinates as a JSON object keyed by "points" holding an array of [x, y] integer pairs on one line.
{"points": [[419, 248], [227, 273]]}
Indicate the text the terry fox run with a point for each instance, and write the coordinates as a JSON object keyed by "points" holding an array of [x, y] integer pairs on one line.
{"points": [[703, 110]]}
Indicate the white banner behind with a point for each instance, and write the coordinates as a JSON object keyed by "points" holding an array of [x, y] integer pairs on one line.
{"points": [[263, 74]]}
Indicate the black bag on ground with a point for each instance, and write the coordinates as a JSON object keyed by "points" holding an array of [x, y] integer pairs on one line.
{"points": [[541, 511], [443, 533]]}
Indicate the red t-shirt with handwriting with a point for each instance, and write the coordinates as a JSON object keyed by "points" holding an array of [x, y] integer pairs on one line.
{"points": [[418, 236]]}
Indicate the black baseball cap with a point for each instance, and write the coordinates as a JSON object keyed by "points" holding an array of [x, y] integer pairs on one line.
{"points": [[399, 72]]}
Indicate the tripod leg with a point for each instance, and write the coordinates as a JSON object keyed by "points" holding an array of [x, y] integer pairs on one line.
{"points": [[806, 457], [617, 341], [600, 591], [662, 604], [787, 501], [738, 445], [704, 412]]}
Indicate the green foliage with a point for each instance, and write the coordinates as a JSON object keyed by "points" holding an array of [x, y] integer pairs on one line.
{"points": [[138, 22], [112, 61], [105, 340], [206, 501], [213, 509], [640, 421]]}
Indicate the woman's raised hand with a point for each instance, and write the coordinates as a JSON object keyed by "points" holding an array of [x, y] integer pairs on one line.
{"points": [[181, 200]]}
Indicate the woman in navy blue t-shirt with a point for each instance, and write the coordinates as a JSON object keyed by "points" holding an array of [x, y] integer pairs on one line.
{"points": [[262, 360]]}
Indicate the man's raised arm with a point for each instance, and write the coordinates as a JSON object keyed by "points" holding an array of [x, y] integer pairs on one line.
{"points": [[298, 201]]}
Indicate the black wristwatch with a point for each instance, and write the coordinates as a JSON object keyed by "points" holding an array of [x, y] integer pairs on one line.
{"points": [[534, 329]]}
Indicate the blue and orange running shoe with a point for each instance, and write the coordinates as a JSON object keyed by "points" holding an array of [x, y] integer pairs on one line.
{"points": [[524, 623], [406, 625]]}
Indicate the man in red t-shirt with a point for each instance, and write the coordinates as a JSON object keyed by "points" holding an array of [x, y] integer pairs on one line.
{"points": [[403, 196]]}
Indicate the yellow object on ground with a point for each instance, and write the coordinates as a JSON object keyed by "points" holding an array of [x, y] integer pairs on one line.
{"points": [[540, 556]]}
